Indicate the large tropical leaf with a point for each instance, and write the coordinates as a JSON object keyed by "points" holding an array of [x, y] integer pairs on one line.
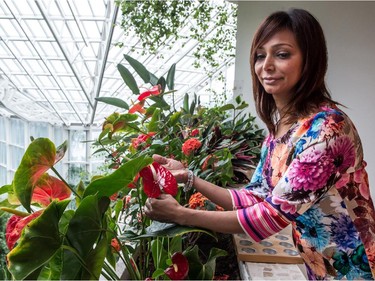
{"points": [[128, 79], [38, 158], [159, 229], [139, 68], [119, 179], [199, 270], [114, 101], [82, 234], [170, 77], [39, 242]]}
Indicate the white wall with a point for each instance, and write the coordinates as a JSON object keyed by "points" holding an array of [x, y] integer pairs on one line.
{"points": [[350, 36]]}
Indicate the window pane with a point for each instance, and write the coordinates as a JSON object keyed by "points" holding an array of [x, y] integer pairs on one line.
{"points": [[76, 173], [38, 130], [2, 129], [17, 133], [77, 146], [3, 176]]}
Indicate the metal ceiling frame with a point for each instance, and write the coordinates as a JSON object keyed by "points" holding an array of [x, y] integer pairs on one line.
{"points": [[71, 45]]}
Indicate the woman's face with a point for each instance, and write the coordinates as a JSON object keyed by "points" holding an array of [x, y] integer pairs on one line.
{"points": [[278, 65]]}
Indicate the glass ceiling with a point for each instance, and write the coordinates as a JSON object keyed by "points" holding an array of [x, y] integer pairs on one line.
{"points": [[56, 56]]}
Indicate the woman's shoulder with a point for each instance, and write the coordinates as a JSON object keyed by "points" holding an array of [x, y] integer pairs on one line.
{"points": [[326, 121]]}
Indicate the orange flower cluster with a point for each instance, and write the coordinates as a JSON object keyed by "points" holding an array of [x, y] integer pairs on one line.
{"points": [[190, 146], [199, 201]]}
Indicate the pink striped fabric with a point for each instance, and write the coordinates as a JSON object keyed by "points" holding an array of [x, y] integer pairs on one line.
{"points": [[258, 218]]}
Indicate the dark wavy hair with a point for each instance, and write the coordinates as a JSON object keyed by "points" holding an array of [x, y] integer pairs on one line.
{"points": [[311, 90]]}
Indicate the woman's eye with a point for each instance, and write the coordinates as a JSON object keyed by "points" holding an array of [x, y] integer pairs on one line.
{"points": [[259, 56], [283, 55]]}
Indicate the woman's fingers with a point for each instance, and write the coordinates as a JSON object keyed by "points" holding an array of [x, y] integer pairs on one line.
{"points": [[160, 159]]}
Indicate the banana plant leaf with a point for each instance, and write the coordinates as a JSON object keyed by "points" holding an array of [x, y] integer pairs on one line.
{"points": [[39, 242], [119, 179]]}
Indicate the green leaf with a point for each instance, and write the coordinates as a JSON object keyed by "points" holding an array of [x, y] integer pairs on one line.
{"points": [[52, 270], [82, 234], [198, 270], [153, 124], [104, 133], [186, 103], [227, 107], [119, 179], [242, 106], [157, 229], [153, 79], [159, 254], [139, 68], [114, 101], [95, 260], [159, 102], [170, 77], [6, 188], [157, 273], [174, 118], [39, 242], [162, 83], [128, 79], [38, 158]]}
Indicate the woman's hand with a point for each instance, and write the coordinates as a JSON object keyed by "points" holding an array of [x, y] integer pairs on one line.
{"points": [[175, 167], [164, 208]]}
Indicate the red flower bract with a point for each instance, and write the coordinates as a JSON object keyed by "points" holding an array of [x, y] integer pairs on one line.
{"points": [[14, 227], [141, 139], [179, 268], [190, 146], [157, 179], [154, 91]]}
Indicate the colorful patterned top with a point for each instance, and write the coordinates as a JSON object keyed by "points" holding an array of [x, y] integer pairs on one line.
{"points": [[314, 178]]}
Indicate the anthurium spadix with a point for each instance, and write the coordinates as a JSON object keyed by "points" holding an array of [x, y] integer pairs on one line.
{"points": [[39, 157]]}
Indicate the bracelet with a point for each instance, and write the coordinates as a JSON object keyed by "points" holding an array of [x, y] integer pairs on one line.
{"points": [[189, 184]]}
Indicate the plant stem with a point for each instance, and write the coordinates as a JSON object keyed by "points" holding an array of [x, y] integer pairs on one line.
{"points": [[63, 180]]}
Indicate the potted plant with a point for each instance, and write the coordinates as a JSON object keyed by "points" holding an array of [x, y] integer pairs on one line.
{"points": [[81, 232]]}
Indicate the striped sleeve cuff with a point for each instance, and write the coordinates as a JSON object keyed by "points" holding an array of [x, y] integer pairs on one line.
{"points": [[261, 221], [243, 198]]}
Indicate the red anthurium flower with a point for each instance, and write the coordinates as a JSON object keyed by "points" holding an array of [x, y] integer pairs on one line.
{"points": [[138, 107], [157, 179], [14, 227], [194, 132], [141, 139], [154, 91], [179, 268], [49, 188]]}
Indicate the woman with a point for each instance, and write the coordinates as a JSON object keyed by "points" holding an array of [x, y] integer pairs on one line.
{"points": [[311, 173]]}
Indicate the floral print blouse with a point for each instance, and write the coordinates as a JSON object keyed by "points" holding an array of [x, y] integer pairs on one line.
{"points": [[314, 178]]}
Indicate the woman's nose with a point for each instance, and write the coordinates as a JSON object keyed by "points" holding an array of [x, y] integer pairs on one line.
{"points": [[268, 64]]}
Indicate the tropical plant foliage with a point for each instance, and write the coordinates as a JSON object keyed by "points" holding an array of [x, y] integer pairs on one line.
{"points": [[58, 231]]}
